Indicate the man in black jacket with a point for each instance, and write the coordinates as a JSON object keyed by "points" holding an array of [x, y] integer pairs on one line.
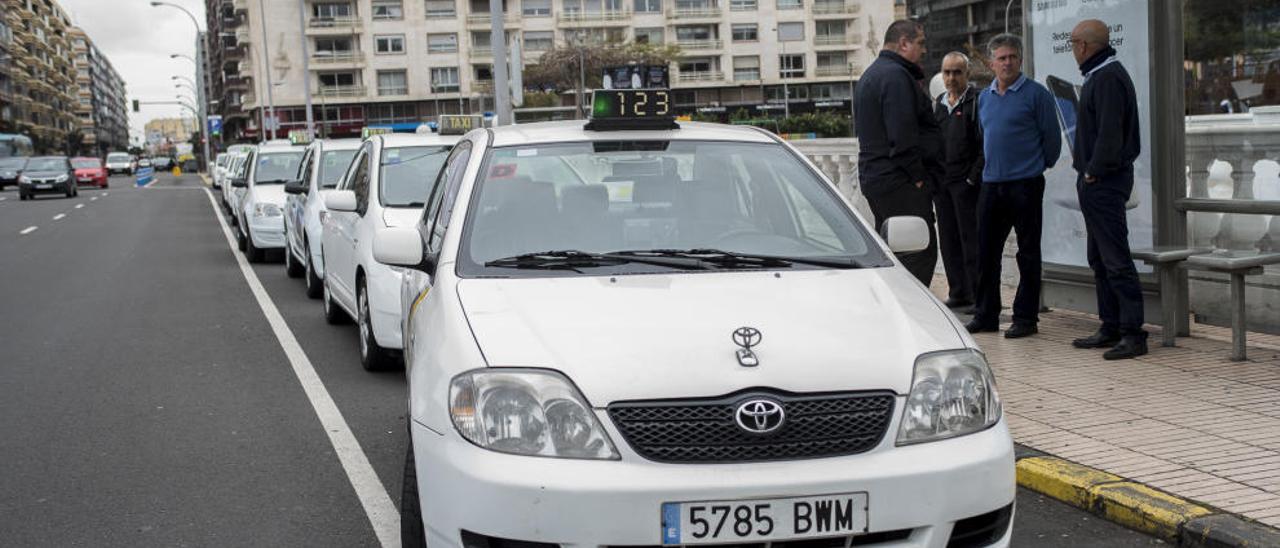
{"points": [[898, 140], [956, 200], [1106, 144]]}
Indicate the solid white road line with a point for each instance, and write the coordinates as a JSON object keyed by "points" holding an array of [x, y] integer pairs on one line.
{"points": [[29, 230], [79, 206], [59, 216], [382, 513]]}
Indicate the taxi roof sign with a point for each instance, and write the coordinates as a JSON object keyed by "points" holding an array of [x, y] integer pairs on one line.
{"points": [[370, 131], [458, 124], [631, 109], [299, 137]]}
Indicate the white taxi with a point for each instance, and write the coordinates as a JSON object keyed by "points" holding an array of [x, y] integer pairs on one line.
{"points": [[323, 165], [386, 186], [235, 170], [260, 210], [633, 333]]}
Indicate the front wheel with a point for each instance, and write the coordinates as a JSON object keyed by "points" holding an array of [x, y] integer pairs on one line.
{"points": [[372, 356], [332, 314], [413, 533], [313, 280], [291, 267], [253, 252]]}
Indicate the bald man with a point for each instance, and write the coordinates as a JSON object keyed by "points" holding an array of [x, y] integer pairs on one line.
{"points": [[956, 201], [1106, 144]]}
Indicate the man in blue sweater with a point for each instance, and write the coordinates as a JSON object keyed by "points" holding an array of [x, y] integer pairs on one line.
{"points": [[1021, 139], [1107, 142]]}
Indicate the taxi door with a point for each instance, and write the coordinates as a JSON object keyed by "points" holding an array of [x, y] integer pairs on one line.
{"points": [[340, 232], [295, 204]]}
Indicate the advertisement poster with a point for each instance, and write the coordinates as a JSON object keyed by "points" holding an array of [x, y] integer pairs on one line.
{"points": [[1050, 25]]}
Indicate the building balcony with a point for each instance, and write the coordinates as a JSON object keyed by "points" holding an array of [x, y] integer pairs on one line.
{"points": [[480, 52], [834, 10], [700, 45], [834, 40], [700, 76], [683, 14], [235, 83], [240, 6], [832, 71], [327, 59], [594, 18], [510, 20], [340, 91], [332, 25]]}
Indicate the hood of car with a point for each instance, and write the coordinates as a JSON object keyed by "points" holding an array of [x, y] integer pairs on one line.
{"points": [[269, 194], [44, 174], [396, 217], [672, 336]]}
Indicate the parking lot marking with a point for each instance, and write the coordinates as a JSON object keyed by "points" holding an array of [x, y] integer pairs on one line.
{"points": [[79, 206], [28, 230], [59, 216], [382, 513]]}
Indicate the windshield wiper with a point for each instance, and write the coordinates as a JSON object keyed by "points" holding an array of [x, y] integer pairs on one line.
{"points": [[729, 259], [271, 182], [408, 204], [572, 259]]}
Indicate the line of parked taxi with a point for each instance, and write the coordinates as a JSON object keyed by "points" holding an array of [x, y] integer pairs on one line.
{"points": [[633, 332]]}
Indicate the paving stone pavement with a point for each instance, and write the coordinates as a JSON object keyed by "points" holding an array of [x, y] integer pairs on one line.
{"points": [[1186, 420]]}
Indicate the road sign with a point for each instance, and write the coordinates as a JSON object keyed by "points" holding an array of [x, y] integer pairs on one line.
{"points": [[215, 124]]}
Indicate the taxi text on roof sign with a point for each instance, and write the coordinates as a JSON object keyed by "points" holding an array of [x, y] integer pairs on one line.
{"points": [[369, 131], [299, 137], [455, 124]]}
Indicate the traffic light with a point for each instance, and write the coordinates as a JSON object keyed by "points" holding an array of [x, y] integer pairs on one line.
{"points": [[135, 105]]}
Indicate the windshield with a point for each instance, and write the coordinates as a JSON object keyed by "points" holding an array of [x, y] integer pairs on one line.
{"points": [[407, 174], [47, 164], [656, 196], [333, 164], [12, 163], [117, 157], [86, 163], [277, 167]]}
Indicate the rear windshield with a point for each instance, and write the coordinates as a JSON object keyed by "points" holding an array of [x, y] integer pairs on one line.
{"points": [[117, 157], [86, 163], [408, 173], [47, 164]]}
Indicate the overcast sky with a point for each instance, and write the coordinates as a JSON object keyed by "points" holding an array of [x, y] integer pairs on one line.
{"points": [[138, 39]]}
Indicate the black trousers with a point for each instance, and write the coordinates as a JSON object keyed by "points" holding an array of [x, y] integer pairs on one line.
{"points": [[906, 199], [1115, 278], [957, 207], [1004, 206]]}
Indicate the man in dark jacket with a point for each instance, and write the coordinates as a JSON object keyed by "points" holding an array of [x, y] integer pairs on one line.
{"points": [[898, 141], [1106, 144], [956, 200]]}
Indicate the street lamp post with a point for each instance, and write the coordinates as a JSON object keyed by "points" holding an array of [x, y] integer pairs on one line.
{"points": [[266, 69], [202, 74]]}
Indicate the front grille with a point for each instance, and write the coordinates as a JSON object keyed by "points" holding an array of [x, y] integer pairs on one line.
{"points": [[705, 430]]}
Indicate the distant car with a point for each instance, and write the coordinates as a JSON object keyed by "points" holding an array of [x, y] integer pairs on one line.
{"points": [[236, 169], [119, 162], [10, 169], [143, 162], [220, 169], [261, 208], [162, 162], [89, 171], [47, 175]]}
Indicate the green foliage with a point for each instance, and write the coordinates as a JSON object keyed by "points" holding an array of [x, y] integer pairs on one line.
{"points": [[824, 124], [1217, 29], [538, 99]]}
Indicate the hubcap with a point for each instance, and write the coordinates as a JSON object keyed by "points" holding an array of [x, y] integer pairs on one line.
{"points": [[307, 263], [364, 325]]}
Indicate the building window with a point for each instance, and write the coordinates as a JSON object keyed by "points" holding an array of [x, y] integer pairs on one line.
{"points": [[393, 82], [331, 11], [444, 79], [337, 79], [393, 113], [535, 8], [441, 9], [745, 32], [649, 35], [791, 65], [697, 65], [333, 47], [743, 5], [539, 40], [696, 33], [746, 68], [790, 32], [648, 6], [387, 10], [483, 73], [388, 44], [790, 4], [442, 43]]}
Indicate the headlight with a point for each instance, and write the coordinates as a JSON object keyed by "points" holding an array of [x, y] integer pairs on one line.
{"points": [[266, 210], [952, 394], [61, 179], [527, 412]]}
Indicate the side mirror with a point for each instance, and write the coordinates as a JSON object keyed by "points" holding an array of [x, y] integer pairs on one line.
{"points": [[398, 247], [905, 234], [341, 200], [295, 187], [239, 183]]}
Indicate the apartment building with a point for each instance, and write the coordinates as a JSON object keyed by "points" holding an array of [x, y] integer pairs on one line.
{"points": [[104, 121], [375, 62], [37, 77], [163, 133], [962, 25]]}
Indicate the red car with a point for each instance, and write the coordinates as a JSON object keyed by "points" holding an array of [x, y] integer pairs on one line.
{"points": [[90, 171]]}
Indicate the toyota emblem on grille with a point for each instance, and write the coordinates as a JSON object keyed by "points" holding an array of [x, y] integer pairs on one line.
{"points": [[759, 416], [747, 337]]}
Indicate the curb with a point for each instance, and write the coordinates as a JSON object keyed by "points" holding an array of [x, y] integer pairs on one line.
{"points": [[1138, 506], [205, 179]]}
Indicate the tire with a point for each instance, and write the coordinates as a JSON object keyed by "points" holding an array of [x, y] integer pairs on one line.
{"points": [[254, 253], [333, 315], [241, 240], [291, 267], [372, 356], [75, 191], [313, 281], [71, 191], [413, 533]]}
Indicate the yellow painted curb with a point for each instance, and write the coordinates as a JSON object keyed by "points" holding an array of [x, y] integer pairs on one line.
{"points": [[1131, 504]]}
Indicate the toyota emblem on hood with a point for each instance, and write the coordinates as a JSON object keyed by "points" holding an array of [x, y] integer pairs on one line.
{"points": [[747, 337], [759, 416]]}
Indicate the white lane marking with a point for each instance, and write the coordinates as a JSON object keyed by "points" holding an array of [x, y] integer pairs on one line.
{"points": [[104, 193], [3, 199], [381, 512], [93, 199], [29, 230], [79, 206], [59, 216]]}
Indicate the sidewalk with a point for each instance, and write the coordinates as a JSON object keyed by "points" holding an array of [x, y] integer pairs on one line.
{"points": [[1184, 420]]}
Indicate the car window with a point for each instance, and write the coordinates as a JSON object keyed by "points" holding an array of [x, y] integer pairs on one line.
{"points": [[333, 164], [117, 157], [276, 167], [359, 182], [750, 198], [444, 194], [406, 174], [12, 163]]}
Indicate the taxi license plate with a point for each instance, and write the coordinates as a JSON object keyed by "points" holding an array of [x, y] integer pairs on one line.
{"points": [[43, 187], [710, 522]]}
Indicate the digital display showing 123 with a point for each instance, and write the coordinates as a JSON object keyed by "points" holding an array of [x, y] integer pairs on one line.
{"points": [[631, 103]]}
